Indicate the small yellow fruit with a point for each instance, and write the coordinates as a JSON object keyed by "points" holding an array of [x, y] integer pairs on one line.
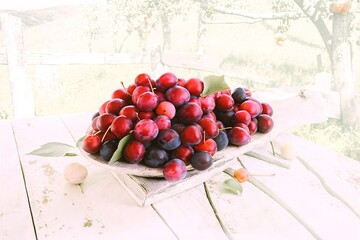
{"points": [[279, 38], [75, 173], [280, 43]]}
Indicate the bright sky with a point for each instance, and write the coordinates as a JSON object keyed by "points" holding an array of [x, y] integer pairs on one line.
{"points": [[36, 4]]}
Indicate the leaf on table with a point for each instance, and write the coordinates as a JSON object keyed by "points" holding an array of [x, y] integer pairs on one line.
{"points": [[80, 141], [232, 185], [118, 153], [69, 154], [213, 83], [54, 149]]}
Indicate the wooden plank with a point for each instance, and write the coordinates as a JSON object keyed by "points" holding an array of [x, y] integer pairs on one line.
{"points": [[190, 215], [22, 99], [77, 123], [61, 210], [176, 211], [146, 190], [252, 215], [340, 173], [63, 58], [128, 58], [15, 216], [309, 105], [302, 191]]}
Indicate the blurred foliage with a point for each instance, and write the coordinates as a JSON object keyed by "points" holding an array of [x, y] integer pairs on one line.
{"points": [[138, 17], [283, 6], [93, 27], [3, 114], [285, 74]]}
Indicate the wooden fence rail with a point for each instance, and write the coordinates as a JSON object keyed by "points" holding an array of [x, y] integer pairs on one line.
{"points": [[33, 58], [172, 59]]}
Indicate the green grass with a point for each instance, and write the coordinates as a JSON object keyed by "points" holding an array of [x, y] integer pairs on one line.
{"points": [[333, 135], [282, 75], [79, 88]]}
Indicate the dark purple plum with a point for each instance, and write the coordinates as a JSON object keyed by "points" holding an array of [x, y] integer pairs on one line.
{"points": [[168, 139]]}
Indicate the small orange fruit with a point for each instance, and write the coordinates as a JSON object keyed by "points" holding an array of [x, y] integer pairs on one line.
{"points": [[241, 174], [341, 6], [279, 38], [280, 43]]}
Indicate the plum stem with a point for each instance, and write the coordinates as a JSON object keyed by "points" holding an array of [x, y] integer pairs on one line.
{"points": [[137, 115], [225, 128], [106, 132], [123, 85], [152, 88]]}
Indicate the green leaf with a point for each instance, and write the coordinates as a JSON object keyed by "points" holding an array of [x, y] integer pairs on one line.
{"points": [[234, 186], [213, 83], [80, 140], [118, 153], [54, 149], [70, 154]]}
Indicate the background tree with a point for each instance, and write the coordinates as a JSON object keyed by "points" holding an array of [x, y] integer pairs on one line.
{"points": [[339, 44], [142, 17], [338, 23], [119, 32], [93, 28]]}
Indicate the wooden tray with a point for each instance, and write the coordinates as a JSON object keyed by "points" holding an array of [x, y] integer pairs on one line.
{"points": [[141, 170]]}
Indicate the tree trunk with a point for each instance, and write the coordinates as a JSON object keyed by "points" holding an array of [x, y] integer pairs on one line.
{"points": [[201, 32], [355, 59], [22, 98], [166, 31], [342, 67], [313, 13]]}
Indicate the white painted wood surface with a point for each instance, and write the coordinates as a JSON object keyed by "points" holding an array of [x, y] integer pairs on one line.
{"points": [[62, 211], [301, 190], [104, 210], [15, 216], [177, 212]]}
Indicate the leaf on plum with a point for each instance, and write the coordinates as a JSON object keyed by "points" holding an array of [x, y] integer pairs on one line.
{"points": [[119, 151], [54, 149], [213, 84], [234, 186]]}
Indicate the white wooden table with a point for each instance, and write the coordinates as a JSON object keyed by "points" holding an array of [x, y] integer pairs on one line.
{"points": [[37, 203]]}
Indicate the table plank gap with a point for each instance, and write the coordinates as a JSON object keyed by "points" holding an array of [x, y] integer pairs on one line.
{"points": [[14, 204], [62, 210], [304, 193], [208, 196], [190, 215], [338, 172], [165, 222]]}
